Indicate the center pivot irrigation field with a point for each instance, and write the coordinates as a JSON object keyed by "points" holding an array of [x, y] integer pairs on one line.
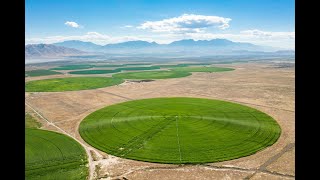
{"points": [[51, 155], [70, 84], [179, 130]]}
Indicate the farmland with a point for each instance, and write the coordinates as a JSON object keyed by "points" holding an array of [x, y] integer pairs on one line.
{"points": [[171, 130], [50, 155], [40, 72], [70, 84], [151, 75], [138, 68], [96, 71], [262, 86], [103, 71], [73, 67]]}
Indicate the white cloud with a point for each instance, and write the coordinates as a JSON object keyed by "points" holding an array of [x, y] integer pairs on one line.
{"points": [[72, 24], [186, 23], [128, 26]]}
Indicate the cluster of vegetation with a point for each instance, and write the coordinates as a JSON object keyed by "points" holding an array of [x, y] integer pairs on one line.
{"points": [[171, 130]]}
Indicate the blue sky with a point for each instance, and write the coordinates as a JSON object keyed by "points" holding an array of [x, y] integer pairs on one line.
{"points": [[264, 22]]}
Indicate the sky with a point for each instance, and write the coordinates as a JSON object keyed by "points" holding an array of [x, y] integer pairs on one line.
{"points": [[261, 22]]}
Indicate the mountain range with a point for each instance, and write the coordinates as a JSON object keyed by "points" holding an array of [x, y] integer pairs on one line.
{"points": [[186, 47], [186, 44], [49, 51]]}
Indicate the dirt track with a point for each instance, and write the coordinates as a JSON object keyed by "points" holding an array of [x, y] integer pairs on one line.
{"points": [[268, 89]]}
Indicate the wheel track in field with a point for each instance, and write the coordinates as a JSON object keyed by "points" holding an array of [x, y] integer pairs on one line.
{"points": [[178, 139], [87, 149], [113, 94], [138, 141], [263, 167]]}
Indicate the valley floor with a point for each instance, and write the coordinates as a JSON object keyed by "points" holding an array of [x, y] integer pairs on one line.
{"points": [[259, 85]]}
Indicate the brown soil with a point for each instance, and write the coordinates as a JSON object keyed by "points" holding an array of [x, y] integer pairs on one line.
{"points": [[262, 86]]}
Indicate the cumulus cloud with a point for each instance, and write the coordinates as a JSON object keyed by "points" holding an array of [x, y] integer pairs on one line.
{"points": [[72, 24], [186, 23]]}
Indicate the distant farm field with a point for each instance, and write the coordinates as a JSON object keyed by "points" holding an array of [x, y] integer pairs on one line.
{"points": [[203, 69], [50, 155], [151, 75], [96, 71], [109, 65], [179, 130], [73, 67], [40, 72], [70, 84], [103, 71], [138, 68]]}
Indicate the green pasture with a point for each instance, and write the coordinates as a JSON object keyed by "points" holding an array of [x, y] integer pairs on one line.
{"points": [[70, 84]]}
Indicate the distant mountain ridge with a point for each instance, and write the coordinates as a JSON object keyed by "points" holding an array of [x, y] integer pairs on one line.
{"points": [[175, 46], [80, 45], [182, 48], [49, 50]]}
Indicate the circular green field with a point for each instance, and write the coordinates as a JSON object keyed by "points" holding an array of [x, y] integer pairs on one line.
{"points": [[203, 69], [50, 155], [70, 84], [179, 130], [152, 75]]}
